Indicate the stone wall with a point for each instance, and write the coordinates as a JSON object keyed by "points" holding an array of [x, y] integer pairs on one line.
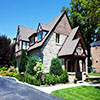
{"points": [[50, 49], [36, 53]]}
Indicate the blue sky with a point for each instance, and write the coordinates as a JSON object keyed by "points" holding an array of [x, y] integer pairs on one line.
{"points": [[27, 13]]}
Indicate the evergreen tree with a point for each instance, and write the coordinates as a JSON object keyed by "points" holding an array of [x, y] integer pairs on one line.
{"points": [[22, 61], [31, 63], [56, 67]]}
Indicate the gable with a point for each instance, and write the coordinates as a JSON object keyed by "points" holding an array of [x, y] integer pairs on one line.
{"points": [[79, 35], [79, 50], [63, 26]]}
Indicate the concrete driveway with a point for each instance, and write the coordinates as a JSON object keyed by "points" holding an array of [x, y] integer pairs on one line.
{"points": [[11, 90]]}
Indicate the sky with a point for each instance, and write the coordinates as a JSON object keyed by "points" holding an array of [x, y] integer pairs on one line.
{"points": [[27, 13]]}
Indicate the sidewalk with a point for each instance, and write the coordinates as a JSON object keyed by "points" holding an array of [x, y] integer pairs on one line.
{"points": [[49, 89]]}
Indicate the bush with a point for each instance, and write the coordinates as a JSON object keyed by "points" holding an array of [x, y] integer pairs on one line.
{"points": [[30, 65], [22, 61], [64, 77], [50, 79], [3, 69], [39, 68], [12, 69], [89, 69], [56, 67]]}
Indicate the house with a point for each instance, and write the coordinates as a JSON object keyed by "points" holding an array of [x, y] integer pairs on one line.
{"points": [[95, 53], [57, 38]]}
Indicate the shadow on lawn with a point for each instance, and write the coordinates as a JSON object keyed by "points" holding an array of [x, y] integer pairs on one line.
{"points": [[97, 87]]}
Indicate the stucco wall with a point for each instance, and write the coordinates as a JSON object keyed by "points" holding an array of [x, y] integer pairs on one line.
{"points": [[50, 49]]}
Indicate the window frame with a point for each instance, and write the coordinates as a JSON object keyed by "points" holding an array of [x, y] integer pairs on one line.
{"points": [[57, 38], [40, 32]]}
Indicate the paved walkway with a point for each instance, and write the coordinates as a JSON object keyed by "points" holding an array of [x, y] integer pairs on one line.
{"points": [[49, 89]]}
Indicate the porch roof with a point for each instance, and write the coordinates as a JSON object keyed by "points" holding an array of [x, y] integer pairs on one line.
{"points": [[70, 44]]}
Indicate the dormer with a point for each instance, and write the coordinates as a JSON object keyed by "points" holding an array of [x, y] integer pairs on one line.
{"points": [[33, 38]]}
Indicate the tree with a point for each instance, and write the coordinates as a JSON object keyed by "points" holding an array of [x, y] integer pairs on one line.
{"points": [[13, 60], [56, 67], [86, 14], [4, 50], [22, 61], [30, 65]]}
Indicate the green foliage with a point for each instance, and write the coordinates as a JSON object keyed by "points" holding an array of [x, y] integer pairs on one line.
{"points": [[39, 67], [30, 65], [50, 79], [56, 67], [4, 50], [22, 61], [13, 62], [64, 77], [3, 69], [89, 69], [12, 70]]}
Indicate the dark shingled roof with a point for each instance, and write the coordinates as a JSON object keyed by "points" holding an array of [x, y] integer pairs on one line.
{"points": [[70, 44], [25, 32], [96, 43]]}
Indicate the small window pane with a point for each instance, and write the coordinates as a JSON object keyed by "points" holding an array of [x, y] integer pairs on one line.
{"points": [[39, 36], [32, 40], [57, 38], [44, 33]]}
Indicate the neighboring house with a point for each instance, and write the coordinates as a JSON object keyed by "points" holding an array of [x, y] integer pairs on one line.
{"points": [[57, 38], [95, 53]]}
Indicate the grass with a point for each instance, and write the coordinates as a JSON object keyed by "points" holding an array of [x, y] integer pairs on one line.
{"points": [[78, 93], [94, 74]]}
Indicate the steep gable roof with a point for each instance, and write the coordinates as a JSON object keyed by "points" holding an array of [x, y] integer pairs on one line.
{"points": [[51, 26], [25, 32]]}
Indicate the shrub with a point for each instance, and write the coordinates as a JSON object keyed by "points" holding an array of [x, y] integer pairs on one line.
{"points": [[30, 65], [56, 67], [3, 69], [12, 69], [22, 61], [50, 79], [64, 77], [39, 68]]}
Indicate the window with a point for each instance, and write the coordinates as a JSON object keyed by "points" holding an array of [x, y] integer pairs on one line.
{"points": [[39, 36], [44, 33], [24, 44], [57, 38], [32, 40]]}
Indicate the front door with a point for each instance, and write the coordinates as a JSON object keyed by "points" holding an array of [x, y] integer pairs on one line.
{"points": [[78, 71]]}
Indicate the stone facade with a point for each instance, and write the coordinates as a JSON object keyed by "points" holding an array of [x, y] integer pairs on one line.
{"points": [[95, 53], [51, 48]]}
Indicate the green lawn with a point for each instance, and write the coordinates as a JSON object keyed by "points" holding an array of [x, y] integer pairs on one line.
{"points": [[78, 93], [95, 74]]}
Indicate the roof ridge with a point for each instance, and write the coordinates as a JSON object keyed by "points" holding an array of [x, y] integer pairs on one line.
{"points": [[55, 18], [26, 27]]}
